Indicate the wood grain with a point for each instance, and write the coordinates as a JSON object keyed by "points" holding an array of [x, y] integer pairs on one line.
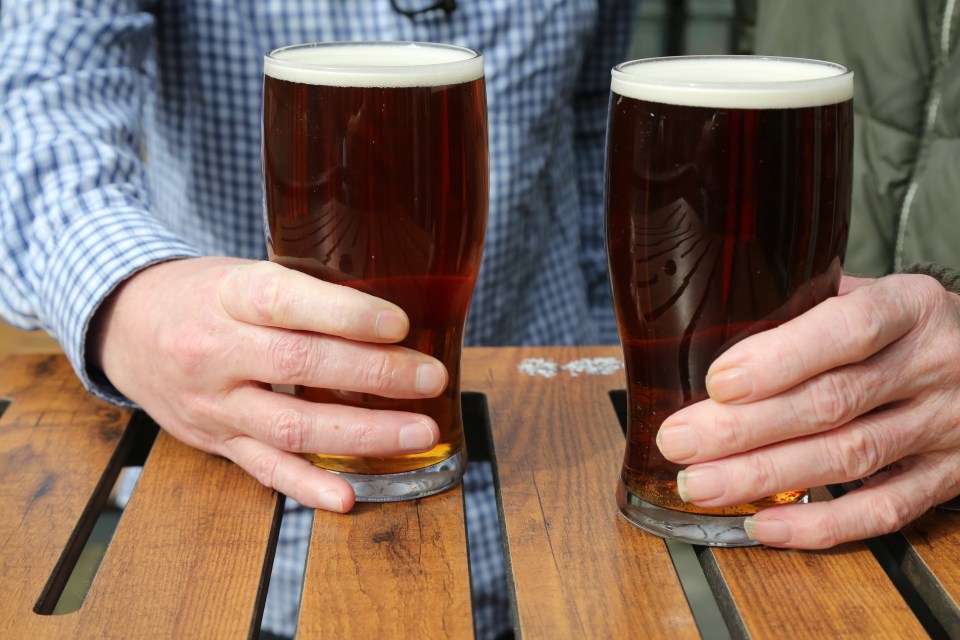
{"points": [[579, 569], [389, 570], [929, 554], [56, 448], [838, 593], [191, 553], [13, 340], [189, 556]]}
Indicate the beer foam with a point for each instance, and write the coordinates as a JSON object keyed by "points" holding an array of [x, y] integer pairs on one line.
{"points": [[734, 82], [368, 64]]}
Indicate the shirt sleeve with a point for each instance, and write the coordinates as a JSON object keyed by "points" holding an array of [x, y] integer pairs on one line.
{"points": [[608, 48], [74, 204]]}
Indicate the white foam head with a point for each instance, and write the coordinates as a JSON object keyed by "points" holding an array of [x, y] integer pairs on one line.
{"points": [[734, 82], [374, 64]]}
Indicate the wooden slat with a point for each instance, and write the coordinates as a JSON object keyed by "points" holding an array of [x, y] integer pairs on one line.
{"points": [[389, 570], [190, 553], [931, 562], [839, 593], [579, 569], [56, 444], [14, 340], [188, 557]]}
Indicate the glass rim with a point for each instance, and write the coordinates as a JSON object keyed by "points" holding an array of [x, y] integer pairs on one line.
{"points": [[775, 92], [273, 56], [619, 72]]}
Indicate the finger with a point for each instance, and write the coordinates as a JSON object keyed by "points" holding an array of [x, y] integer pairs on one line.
{"points": [[851, 283], [709, 430], [291, 475], [267, 294], [883, 505], [278, 356], [839, 331], [847, 453], [290, 424]]}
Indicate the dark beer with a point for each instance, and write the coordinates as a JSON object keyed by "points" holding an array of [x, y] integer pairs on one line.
{"points": [[727, 214], [375, 177]]}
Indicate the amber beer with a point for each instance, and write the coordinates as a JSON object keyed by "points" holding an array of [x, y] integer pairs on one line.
{"points": [[375, 177], [727, 195]]}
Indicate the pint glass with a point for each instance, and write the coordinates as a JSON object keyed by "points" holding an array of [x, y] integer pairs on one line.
{"points": [[375, 177], [727, 203]]}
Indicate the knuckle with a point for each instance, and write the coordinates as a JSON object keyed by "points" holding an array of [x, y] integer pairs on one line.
{"points": [[926, 288], [886, 312], [191, 350], [858, 327], [268, 298], [834, 398], [854, 454], [201, 411], [889, 514], [827, 532], [264, 467], [290, 355], [867, 328], [380, 371], [728, 431], [287, 429]]}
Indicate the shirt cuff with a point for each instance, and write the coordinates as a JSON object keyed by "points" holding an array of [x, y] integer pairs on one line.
{"points": [[92, 256]]}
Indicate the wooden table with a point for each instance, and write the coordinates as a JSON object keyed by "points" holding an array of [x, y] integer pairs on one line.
{"points": [[190, 556]]}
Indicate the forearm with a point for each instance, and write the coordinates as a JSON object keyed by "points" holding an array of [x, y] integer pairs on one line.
{"points": [[73, 199]]}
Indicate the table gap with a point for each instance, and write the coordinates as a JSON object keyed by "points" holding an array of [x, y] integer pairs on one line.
{"points": [[297, 518], [4, 403], [726, 605], [478, 440], [898, 560], [481, 454], [700, 593], [70, 582]]}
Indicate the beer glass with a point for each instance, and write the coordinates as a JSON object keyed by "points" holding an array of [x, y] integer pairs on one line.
{"points": [[375, 176], [727, 204]]}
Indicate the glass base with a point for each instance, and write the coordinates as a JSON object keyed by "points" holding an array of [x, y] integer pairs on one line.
{"points": [[694, 528], [408, 485]]}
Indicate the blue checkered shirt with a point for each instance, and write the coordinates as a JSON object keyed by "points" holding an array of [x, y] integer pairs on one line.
{"points": [[89, 88]]}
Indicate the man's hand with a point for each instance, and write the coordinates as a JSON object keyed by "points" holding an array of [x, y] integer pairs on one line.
{"points": [[864, 386], [198, 342]]}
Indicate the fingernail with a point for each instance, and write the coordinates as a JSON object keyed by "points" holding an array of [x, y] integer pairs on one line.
{"points": [[767, 531], [701, 484], [677, 442], [728, 385], [391, 325], [330, 500], [431, 378], [416, 437]]}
